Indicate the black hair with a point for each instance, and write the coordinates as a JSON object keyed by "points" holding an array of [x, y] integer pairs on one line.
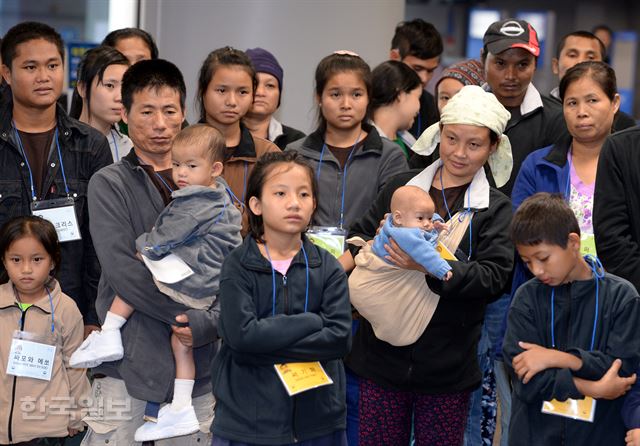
{"points": [[25, 226], [93, 64], [544, 218], [417, 38], [113, 37], [388, 80], [584, 35], [24, 32], [203, 136], [602, 27], [493, 137], [226, 56], [259, 176], [339, 63], [599, 72], [154, 74]]}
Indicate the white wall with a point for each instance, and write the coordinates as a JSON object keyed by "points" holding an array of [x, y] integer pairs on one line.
{"points": [[298, 32]]}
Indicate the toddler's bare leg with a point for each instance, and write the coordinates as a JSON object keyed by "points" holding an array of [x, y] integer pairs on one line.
{"points": [[185, 374], [183, 355], [121, 308]]}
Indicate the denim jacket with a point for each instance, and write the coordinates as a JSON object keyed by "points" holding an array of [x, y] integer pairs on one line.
{"points": [[201, 226]]}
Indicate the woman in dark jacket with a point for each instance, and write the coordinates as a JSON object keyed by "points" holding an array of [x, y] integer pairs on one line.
{"points": [[431, 380]]}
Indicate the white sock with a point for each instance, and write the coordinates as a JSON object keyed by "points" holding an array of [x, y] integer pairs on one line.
{"points": [[182, 389], [113, 321]]}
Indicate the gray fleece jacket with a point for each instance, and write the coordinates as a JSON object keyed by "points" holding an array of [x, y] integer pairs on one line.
{"points": [[372, 165], [124, 204], [201, 226]]}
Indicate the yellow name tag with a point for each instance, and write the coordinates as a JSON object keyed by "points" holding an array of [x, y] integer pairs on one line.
{"points": [[588, 244], [299, 377], [444, 252], [581, 410]]}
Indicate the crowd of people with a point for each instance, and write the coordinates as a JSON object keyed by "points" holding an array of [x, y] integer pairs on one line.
{"points": [[392, 278]]}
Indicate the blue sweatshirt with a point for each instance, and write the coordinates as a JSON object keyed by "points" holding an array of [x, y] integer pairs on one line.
{"points": [[419, 244]]}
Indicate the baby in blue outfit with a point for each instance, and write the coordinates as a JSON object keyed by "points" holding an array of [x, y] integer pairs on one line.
{"points": [[414, 226]]}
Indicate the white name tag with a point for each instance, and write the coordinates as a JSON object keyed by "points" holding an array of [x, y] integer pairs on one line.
{"points": [[30, 359], [169, 269], [61, 213]]}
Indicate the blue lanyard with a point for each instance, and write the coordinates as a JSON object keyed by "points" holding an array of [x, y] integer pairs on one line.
{"points": [[51, 304], [344, 175], [461, 217], [23, 311], [157, 176], [163, 181], [244, 182], [244, 189], [444, 198], [273, 279], [236, 199], [115, 145], [598, 273], [567, 192], [24, 154]]}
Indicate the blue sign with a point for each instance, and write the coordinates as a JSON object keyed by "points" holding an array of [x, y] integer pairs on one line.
{"points": [[76, 52], [623, 60], [479, 21]]}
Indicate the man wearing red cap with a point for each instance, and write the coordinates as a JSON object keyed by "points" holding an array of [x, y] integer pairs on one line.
{"points": [[509, 55]]}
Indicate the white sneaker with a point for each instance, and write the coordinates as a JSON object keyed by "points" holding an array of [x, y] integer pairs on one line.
{"points": [[170, 424], [99, 347]]}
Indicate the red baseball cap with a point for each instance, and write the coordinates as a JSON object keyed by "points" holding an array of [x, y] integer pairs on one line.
{"points": [[511, 33]]}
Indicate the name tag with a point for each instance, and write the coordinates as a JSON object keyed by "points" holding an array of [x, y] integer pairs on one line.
{"points": [[330, 238], [61, 212], [299, 377], [29, 358], [444, 252], [581, 410], [588, 244], [169, 269]]}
